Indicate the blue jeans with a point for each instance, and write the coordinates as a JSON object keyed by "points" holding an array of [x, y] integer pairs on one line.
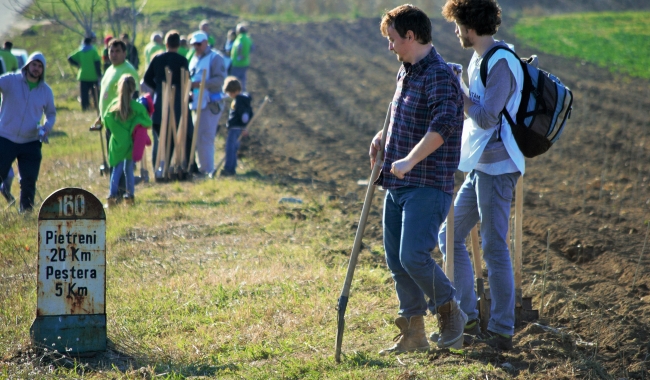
{"points": [[486, 198], [29, 162], [412, 217], [240, 73], [125, 168], [232, 145]]}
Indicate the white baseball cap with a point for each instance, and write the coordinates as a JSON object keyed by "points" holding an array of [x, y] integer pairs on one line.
{"points": [[198, 37]]}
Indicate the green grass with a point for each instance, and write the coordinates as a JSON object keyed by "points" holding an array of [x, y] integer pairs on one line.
{"points": [[617, 41], [213, 278]]}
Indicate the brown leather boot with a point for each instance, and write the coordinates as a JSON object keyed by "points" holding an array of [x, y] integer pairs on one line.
{"points": [[412, 336], [129, 200], [451, 321]]}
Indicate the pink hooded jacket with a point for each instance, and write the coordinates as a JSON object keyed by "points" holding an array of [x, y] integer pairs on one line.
{"points": [[140, 134]]}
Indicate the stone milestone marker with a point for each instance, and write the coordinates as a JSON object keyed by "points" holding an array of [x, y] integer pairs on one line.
{"points": [[71, 298]]}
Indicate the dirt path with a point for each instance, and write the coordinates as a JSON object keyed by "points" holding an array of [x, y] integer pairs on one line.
{"points": [[331, 84]]}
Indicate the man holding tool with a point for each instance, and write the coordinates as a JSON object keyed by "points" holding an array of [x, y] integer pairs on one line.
{"points": [[421, 155], [108, 92], [154, 78], [494, 163], [206, 60]]}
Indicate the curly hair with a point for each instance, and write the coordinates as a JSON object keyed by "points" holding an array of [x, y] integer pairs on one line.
{"points": [[407, 17], [484, 16]]}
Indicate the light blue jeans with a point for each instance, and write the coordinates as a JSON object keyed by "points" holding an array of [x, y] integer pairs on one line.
{"points": [[412, 217], [232, 145], [486, 198], [125, 168]]}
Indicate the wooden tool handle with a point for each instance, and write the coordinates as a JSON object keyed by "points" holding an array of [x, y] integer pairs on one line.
{"points": [[198, 120]]}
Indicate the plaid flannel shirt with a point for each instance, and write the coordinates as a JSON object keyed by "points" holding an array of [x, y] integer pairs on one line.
{"points": [[428, 98]]}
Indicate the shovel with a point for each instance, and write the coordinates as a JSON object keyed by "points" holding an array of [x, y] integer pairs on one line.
{"points": [[523, 305], [197, 122], [356, 247], [524, 311], [160, 156], [483, 305], [97, 126]]}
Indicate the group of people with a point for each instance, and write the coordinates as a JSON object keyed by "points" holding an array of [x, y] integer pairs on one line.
{"points": [[438, 125], [159, 58], [112, 81]]}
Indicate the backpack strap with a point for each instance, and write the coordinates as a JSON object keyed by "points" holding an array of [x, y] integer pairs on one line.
{"points": [[484, 72], [486, 59]]}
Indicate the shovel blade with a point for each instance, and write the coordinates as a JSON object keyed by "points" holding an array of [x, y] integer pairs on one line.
{"points": [[523, 314]]}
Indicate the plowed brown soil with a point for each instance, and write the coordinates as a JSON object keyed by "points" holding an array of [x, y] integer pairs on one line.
{"points": [[588, 197]]}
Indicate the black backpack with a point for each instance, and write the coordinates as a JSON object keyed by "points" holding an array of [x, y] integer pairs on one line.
{"points": [[545, 106]]}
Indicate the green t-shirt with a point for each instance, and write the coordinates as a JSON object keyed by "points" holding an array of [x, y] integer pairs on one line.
{"points": [[211, 41], [183, 51], [109, 84], [86, 58], [150, 50], [32, 85], [241, 49], [120, 146], [11, 63], [190, 54]]}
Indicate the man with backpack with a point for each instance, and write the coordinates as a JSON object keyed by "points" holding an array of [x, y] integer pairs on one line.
{"points": [[491, 157]]}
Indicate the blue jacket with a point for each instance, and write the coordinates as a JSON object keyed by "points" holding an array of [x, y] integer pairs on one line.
{"points": [[22, 109]]}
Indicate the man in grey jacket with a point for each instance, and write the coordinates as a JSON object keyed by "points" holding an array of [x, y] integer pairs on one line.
{"points": [[206, 59], [25, 98]]}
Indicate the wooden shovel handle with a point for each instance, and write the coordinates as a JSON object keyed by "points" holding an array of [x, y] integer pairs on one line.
{"points": [[198, 120]]}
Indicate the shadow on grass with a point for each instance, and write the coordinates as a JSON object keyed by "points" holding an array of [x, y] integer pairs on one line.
{"points": [[115, 358], [362, 359], [189, 371], [57, 133], [222, 202]]}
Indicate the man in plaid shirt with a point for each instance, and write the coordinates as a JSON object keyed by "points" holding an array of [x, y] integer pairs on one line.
{"points": [[421, 155]]}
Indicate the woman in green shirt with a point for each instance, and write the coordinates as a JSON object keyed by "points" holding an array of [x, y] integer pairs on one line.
{"points": [[123, 115]]}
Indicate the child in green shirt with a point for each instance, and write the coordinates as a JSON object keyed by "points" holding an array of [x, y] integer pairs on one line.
{"points": [[121, 118]]}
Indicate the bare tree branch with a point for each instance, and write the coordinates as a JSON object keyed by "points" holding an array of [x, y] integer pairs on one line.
{"points": [[77, 16]]}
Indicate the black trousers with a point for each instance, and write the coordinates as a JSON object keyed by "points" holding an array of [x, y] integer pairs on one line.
{"points": [[29, 161], [86, 90]]}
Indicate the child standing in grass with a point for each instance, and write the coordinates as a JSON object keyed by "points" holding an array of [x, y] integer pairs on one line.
{"points": [[123, 115], [241, 113]]}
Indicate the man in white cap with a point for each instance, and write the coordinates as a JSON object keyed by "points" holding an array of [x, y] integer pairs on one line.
{"points": [[205, 59]]}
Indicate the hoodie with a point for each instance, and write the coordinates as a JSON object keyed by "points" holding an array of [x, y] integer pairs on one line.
{"points": [[22, 109]]}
